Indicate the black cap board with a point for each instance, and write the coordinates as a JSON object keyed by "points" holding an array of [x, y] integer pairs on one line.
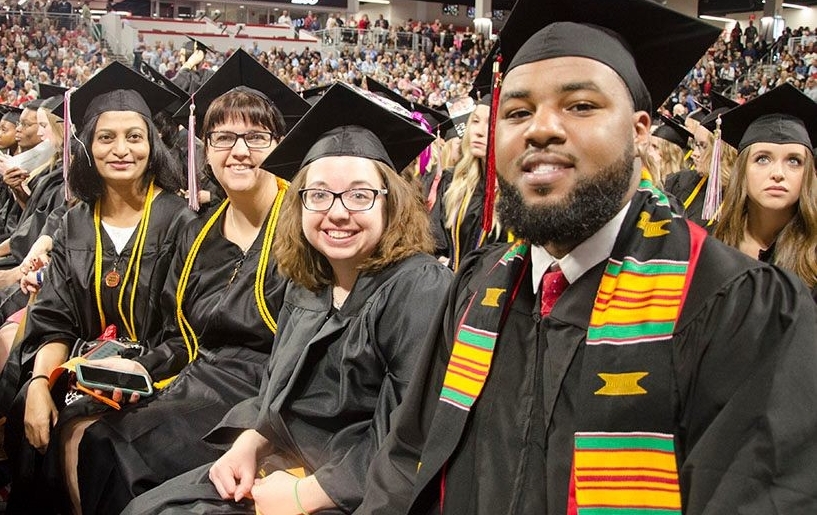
{"points": [[312, 95], [241, 69], [116, 88], [50, 90], [782, 115], [10, 113], [350, 121], [650, 46], [438, 120], [720, 101], [673, 132], [194, 44]]}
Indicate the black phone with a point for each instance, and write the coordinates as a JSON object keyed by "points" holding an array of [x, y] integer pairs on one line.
{"points": [[107, 379]]}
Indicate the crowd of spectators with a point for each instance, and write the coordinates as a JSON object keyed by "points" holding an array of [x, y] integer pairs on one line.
{"points": [[42, 46]]}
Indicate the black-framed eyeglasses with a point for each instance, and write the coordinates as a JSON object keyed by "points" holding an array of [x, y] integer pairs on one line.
{"points": [[354, 200], [227, 139]]}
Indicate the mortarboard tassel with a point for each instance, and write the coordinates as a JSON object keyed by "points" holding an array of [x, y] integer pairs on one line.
{"points": [[192, 176], [490, 173], [712, 200], [67, 129], [425, 155]]}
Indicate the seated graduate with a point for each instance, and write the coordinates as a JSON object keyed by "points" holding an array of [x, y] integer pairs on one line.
{"points": [[355, 245], [221, 303], [109, 262], [770, 207]]}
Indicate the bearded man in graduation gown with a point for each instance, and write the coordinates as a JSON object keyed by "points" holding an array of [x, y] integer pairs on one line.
{"points": [[672, 375]]}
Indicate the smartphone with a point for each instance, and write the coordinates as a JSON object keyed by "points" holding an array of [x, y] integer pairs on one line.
{"points": [[106, 379]]}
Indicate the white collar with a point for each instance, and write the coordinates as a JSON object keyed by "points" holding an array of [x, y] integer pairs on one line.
{"points": [[585, 256]]}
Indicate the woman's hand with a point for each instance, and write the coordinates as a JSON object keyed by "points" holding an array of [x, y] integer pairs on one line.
{"points": [[276, 494], [14, 177], [233, 474], [31, 281], [125, 365], [40, 414]]}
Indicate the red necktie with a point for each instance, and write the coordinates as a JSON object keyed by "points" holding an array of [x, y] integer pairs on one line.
{"points": [[553, 284]]}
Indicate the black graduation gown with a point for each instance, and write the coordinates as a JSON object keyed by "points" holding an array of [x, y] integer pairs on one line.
{"points": [[66, 310], [680, 185], [744, 364], [47, 193], [442, 236], [9, 212], [332, 385], [130, 451]]}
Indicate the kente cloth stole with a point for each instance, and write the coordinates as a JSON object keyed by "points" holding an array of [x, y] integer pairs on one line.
{"points": [[624, 452]]}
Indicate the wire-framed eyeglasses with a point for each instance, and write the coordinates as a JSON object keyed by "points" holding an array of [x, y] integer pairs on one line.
{"points": [[227, 139], [354, 200]]}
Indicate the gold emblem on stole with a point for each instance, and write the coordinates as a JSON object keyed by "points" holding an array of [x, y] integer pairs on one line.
{"points": [[651, 229], [491, 298], [622, 384]]}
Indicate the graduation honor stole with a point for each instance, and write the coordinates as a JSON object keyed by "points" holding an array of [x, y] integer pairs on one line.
{"points": [[624, 453]]}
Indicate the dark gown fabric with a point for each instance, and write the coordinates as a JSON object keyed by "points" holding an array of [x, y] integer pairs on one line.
{"points": [[471, 226], [442, 236], [331, 387], [744, 361], [127, 452], [680, 185], [9, 212], [47, 193], [66, 310]]}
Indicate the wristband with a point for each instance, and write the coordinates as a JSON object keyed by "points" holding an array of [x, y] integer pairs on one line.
{"points": [[39, 276], [41, 376], [298, 499]]}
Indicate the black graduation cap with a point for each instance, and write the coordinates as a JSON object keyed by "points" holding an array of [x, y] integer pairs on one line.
{"points": [[482, 82], [241, 69], [116, 88], [721, 101], [160, 79], [673, 132], [664, 44], [782, 115], [11, 113], [438, 120], [699, 114], [312, 95], [50, 90], [350, 121], [194, 44], [721, 104]]}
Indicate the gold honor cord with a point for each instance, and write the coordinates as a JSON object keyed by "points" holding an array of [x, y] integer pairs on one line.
{"points": [[266, 251], [138, 246], [188, 334], [695, 192]]}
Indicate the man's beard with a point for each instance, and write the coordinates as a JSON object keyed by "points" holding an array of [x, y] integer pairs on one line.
{"points": [[593, 202]]}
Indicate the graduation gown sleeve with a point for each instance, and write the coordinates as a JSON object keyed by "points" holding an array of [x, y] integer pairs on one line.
{"points": [[390, 478]]}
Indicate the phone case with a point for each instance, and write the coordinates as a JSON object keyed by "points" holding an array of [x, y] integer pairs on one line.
{"points": [[110, 387]]}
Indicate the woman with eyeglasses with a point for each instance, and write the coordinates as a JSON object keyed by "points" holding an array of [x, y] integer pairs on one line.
{"points": [[222, 298], [362, 289]]}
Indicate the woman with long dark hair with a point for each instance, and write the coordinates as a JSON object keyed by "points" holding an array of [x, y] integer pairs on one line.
{"points": [[109, 261]]}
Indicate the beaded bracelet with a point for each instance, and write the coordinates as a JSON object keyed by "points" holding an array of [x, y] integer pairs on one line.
{"points": [[298, 499]]}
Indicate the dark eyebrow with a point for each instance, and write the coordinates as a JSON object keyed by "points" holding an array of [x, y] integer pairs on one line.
{"points": [[564, 88]]}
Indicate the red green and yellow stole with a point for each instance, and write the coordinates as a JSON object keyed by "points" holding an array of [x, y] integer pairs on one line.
{"points": [[624, 453]]}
